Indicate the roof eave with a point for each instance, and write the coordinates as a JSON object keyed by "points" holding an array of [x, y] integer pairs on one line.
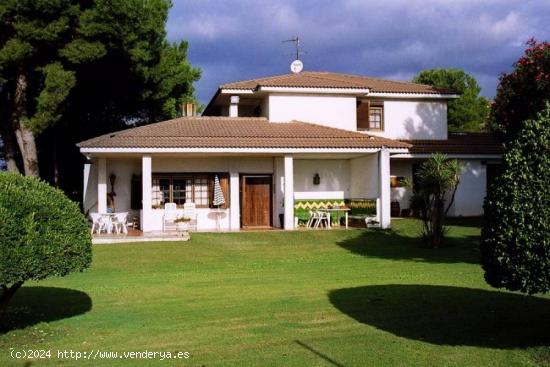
{"points": [[413, 95], [211, 103], [320, 90], [258, 150]]}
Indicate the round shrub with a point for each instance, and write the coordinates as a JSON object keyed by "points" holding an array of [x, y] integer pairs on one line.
{"points": [[515, 247], [42, 233]]}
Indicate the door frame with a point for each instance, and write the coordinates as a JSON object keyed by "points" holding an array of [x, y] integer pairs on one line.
{"points": [[242, 181]]}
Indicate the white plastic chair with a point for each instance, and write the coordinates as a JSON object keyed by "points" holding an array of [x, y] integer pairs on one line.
{"points": [[312, 218], [97, 223], [322, 219], [170, 215], [190, 211], [119, 221]]}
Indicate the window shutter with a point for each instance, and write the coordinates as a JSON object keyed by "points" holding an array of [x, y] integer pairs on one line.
{"points": [[224, 183], [363, 112]]}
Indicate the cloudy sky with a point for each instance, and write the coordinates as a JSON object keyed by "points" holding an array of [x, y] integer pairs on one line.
{"points": [[241, 39]]}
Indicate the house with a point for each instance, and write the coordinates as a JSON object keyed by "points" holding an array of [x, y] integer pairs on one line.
{"points": [[276, 141]]}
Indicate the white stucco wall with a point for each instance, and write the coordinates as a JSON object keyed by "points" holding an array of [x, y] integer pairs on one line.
{"points": [[364, 177], [401, 194], [206, 219], [409, 119], [334, 178], [278, 190], [123, 169], [333, 111], [260, 164], [264, 107], [89, 201], [470, 193], [471, 190]]}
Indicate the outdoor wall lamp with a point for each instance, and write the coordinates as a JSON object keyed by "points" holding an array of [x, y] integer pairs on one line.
{"points": [[316, 179]]}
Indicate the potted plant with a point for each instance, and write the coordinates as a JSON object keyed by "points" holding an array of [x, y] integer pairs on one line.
{"points": [[181, 223]]}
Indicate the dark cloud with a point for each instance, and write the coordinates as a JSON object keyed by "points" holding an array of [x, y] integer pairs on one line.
{"points": [[235, 40]]}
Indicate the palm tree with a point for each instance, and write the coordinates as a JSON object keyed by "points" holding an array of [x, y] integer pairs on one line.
{"points": [[435, 178]]}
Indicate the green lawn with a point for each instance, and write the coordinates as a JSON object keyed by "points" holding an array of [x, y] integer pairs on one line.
{"points": [[317, 298]]}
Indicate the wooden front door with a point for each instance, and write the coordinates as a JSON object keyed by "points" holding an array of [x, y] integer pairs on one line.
{"points": [[256, 201]]}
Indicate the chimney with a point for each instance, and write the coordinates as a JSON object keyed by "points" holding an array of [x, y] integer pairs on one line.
{"points": [[234, 106], [189, 109]]}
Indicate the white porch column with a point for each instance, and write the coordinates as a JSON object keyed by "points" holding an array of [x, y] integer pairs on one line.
{"points": [[85, 188], [384, 191], [102, 185], [235, 210], [289, 192], [234, 106], [147, 185]]}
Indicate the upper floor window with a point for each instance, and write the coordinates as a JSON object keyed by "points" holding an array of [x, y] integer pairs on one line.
{"points": [[375, 117], [370, 115]]}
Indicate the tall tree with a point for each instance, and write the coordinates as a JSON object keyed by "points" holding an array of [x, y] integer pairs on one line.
{"points": [[522, 93], [515, 238], [71, 69], [469, 112], [34, 80]]}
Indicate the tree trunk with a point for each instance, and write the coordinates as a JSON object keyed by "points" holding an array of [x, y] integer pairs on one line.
{"points": [[10, 146], [6, 132], [7, 295], [24, 136]]}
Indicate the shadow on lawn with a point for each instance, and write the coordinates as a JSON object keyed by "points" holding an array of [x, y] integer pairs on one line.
{"points": [[445, 315], [32, 305], [389, 244]]}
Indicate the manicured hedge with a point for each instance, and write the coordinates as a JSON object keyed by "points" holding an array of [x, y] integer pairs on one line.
{"points": [[42, 232]]}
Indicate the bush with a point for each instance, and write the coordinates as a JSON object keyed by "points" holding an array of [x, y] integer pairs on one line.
{"points": [[515, 247], [42, 234], [522, 93]]}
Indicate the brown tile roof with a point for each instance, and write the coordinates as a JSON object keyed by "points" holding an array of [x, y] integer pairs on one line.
{"points": [[236, 132], [317, 79], [459, 143]]}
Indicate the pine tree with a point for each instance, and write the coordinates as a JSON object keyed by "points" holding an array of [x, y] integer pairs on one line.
{"points": [[70, 69]]}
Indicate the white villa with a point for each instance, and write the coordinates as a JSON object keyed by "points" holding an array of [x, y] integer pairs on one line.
{"points": [[277, 141]]}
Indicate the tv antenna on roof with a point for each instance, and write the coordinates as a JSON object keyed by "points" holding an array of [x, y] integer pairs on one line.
{"points": [[297, 65]]}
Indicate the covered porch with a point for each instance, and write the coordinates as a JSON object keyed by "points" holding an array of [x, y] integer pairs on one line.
{"points": [[260, 189]]}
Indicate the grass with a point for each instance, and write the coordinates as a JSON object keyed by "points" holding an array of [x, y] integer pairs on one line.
{"points": [[318, 298]]}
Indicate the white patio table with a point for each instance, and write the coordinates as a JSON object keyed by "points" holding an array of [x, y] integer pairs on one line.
{"points": [[330, 210], [218, 212], [108, 218]]}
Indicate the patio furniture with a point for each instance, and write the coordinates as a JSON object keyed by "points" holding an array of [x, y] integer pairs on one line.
{"points": [[97, 223], [107, 218], [134, 224], [218, 214], [170, 215], [190, 211], [324, 219], [311, 219], [119, 222], [329, 210], [317, 219]]}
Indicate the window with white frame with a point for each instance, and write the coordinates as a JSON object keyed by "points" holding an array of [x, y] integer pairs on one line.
{"points": [[185, 188], [376, 117]]}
